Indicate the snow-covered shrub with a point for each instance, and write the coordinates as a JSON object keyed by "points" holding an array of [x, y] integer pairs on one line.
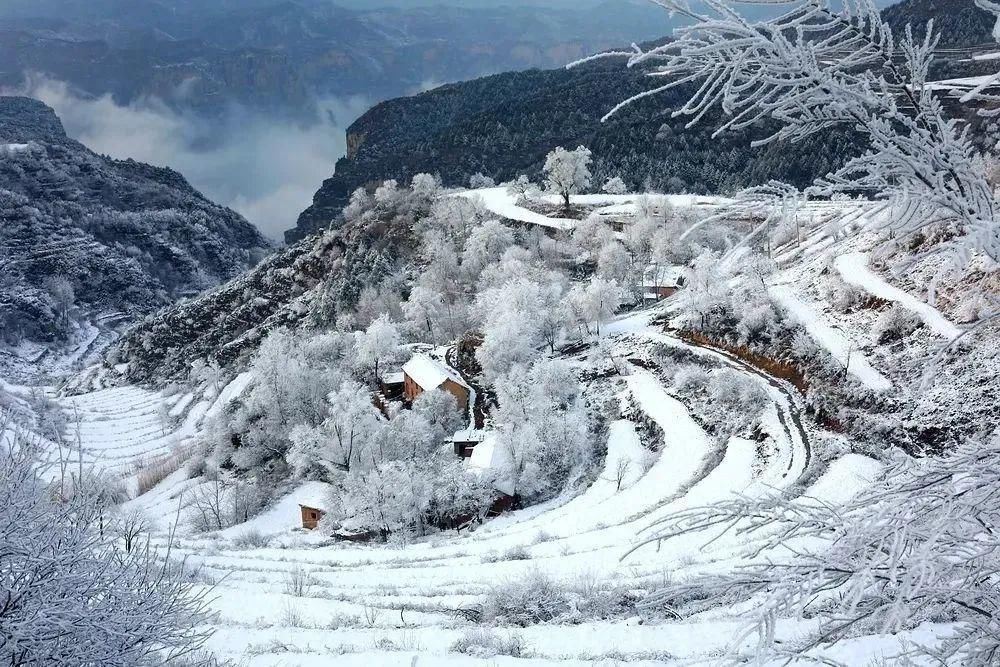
{"points": [[517, 552], [486, 643], [845, 297], [73, 594], [690, 379], [299, 582], [478, 181], [736, 399], [251, 539], [595, 598], [531, 600], [895, 324]]}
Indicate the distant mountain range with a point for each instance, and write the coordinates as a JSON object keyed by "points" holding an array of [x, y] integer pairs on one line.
{"points": [[283, 54], [83, 234]]}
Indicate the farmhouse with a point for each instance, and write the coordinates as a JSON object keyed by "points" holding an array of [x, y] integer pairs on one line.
{"points": [[391, 385], [311, 516], [421, 373], [661, 282]]}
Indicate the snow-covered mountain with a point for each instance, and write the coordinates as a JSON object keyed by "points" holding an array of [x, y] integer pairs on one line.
{"points": [[89, 241], [564, 420]]}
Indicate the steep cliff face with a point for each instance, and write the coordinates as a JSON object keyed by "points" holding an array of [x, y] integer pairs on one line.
{"points": [[84, 234]]}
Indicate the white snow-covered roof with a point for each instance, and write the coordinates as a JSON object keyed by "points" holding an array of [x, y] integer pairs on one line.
{"points": [[469, 435], [664, 276], [488, 457], [430, 373], [393, 378]]}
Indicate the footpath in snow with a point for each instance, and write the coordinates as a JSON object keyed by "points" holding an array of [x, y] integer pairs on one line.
{"points": [[853, 268], [834, 341]]}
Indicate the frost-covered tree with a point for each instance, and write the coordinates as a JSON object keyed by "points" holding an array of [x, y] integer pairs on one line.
{"points": [[424, 310], [61, 294], [615, 263], [342, 441], [615, 186], [821, 64], [440, 408], [518, 318], [479, 181], [544, 427], [377, 345], [72, 593], [591, 234], [520, 186], [596, 302], [485, 245], [567, 172]]}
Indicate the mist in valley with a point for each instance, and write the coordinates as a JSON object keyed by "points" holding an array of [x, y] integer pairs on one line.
{"points": [[264, 166]]}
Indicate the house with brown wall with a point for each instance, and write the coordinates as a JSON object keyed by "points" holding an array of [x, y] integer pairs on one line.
{"points": [[422, 373]]}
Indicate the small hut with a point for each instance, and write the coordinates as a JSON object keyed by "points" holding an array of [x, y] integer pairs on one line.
{"points": [[491, 459], [421, 373], [311, 516], [391, 386]]}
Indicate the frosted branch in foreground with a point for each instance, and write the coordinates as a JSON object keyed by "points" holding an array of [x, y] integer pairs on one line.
{"points": [[825, 64]]}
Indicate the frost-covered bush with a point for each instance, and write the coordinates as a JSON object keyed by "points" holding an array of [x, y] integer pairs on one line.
{"points": [[479, 181], [532, 600], [844, 297], [690, 379], [486, 643], [517, 552], [73, 593], [251, 539], [895, 324]]}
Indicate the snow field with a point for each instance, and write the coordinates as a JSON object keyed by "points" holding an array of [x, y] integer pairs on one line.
{"points": [[384, 604]]}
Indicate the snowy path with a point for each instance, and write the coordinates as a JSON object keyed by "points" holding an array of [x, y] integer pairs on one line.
{"points": [[853, 268], [833, 340], [498, 201]]}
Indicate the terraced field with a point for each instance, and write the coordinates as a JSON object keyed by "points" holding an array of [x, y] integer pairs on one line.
{"points": [[299, 600]]}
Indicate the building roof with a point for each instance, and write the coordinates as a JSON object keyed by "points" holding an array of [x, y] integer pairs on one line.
{"points": [[491, 458], [469, 435], [393, 378], [429, 373]]}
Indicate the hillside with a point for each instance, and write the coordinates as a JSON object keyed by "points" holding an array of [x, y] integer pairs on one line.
{"points": [[504, 125], [86, 237]]}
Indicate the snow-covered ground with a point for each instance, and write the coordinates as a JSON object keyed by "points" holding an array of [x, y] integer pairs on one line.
{"points": [[401, 604], [502, 203], [853, 268], [408, 604]]}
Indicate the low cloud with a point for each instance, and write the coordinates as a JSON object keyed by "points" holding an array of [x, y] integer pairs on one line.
{"points": [[264, 167]]}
